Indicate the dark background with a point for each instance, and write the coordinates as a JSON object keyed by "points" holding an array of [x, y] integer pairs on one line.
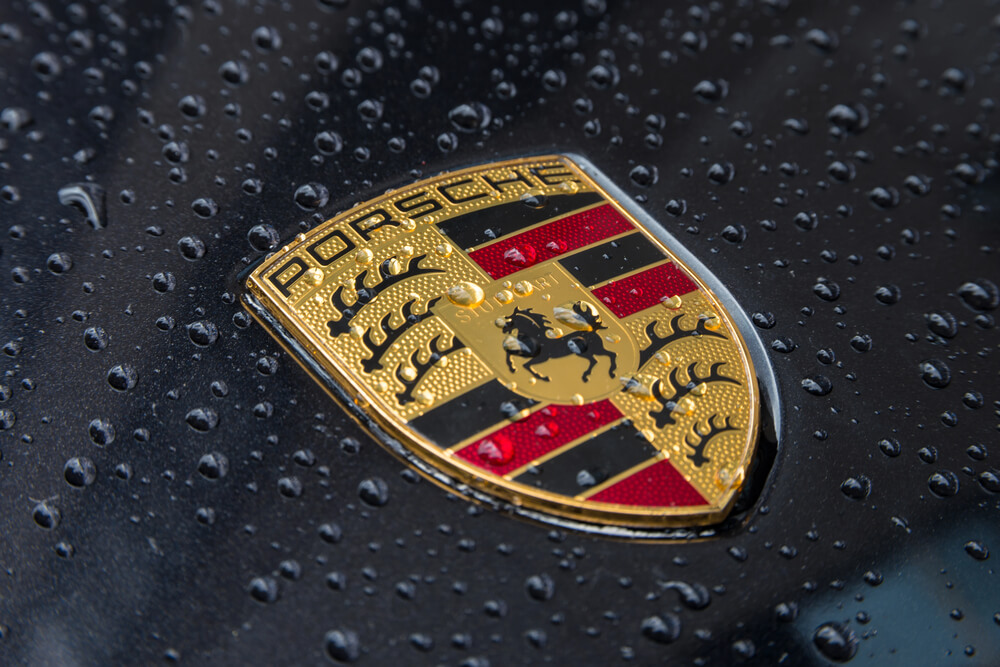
{"points": [[859, 143]]}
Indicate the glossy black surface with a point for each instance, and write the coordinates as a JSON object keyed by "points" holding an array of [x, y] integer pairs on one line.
{"points": [[173, 488]]}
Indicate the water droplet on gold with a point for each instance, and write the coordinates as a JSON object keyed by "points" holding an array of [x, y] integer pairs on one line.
{"points": [[408, 224], [685, 406], [506, 284], [700, 389], [648, 434], [673, 303], [315, 276], [424, 397], [569, 186], [394, 266], [663, 357], [577, 399], [364, 256], [500, 322], [505, 296], [712, 322], [406, 251], [522, 415], [408, 373], [523, 288], [381, 386], [443, 362], [638, 385], [554, 332], [466, 294], [300, 237], [357, 332], [443, 250]]}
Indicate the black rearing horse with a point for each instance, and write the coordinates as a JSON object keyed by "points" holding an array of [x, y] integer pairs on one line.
{"points": [[531, 342]]}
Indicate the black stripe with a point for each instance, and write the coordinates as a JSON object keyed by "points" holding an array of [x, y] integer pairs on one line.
{"points": [[613, 258], [469, 413], [486, 225], [590, 462]]}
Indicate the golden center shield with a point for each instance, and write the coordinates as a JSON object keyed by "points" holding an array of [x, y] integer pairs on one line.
{"points": [[519, 332]]}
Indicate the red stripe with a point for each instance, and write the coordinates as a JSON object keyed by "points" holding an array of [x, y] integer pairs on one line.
{"points": [[514, 253], [658, 485], [522, 442], [642, 290]]}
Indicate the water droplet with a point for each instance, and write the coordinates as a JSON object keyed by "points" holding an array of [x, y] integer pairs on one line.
{"points": [[827, 290], [980, 294], [266, 38], [856, 488], [213, 465], [263, 589], [977, 550], [342, 645], [818, 385], [290, 487], [80, 471], [101, 431], [836, 641], [191, 247], [661, 628], [935, 373], [46, 515], [521, 255], [888, 294], [734, 233], [203, 333], [496, 450], [861, 342], [374, 491], [164, 282], [644, 176], [205, 207], [123, 377], [540, 587], [466, 294], [202, 419], [890, 447], [470, 117], [721, 173], [943, 483], [95, 338], [89, 198], [312, 196], [942, 323]]}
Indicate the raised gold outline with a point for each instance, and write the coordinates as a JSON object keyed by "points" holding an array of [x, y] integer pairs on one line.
{"points": [[464, 473]]}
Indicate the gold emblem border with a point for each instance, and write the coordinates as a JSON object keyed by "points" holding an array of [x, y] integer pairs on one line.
{"points": [[521, 496]]}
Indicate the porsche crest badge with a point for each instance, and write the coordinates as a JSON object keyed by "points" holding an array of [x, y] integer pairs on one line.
{"points": [[516, 332]]}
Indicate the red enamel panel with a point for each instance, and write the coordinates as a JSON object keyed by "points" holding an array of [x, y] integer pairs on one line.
{"points": [[644, 289], [517, 252], [658, 485], [521, 442]]}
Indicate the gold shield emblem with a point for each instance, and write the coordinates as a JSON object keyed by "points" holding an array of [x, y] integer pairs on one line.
{"points": [[517, 333]]}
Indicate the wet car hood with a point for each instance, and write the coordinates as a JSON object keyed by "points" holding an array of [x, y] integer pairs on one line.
{"points": [[174, 487]]}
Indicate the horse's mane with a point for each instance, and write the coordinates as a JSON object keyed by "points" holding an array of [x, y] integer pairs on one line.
{"points": [[538, 319]]}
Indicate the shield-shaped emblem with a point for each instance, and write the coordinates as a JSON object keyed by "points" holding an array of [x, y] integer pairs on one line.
{"points": [[515, 332]]}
